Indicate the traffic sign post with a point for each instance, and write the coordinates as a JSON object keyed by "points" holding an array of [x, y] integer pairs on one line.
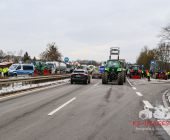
{"points": [[142, 66], [152, 62], [66, 59], [91, 62]]}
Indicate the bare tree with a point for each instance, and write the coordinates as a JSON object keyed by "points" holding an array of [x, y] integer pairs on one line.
{"points": [[20, 55], [165, 33], [2, 56]]}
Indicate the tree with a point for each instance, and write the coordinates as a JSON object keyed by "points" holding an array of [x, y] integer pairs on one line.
{"points": [[146, 56], [26, 57], [16, 61], [165, 33], [51, 53], [2, 56], [20, 55], [34, 59]]}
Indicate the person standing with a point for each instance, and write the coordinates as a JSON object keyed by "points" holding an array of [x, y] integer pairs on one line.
{"points": [[0, 71], [142, 73], [168, 75], [4, 71], [91, 70], [148, 75]]}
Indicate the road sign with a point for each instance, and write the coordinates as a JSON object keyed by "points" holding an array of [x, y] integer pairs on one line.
{"points": [[91, 62], [66, 59], [152, 62], [142, 66]]}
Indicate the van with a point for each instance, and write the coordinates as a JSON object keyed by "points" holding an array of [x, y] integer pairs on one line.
{"points": [[21, 70]]}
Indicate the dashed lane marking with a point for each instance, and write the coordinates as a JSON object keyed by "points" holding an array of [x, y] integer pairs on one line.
{"points": [[57, 109], [147, 104], [96, 84], [139, 94], [134, 88]]}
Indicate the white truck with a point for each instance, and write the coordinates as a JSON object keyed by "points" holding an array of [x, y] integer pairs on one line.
{"points": [[59, 66]]}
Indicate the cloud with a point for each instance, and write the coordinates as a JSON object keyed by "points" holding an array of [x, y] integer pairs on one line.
{"points": [[82, 29]]}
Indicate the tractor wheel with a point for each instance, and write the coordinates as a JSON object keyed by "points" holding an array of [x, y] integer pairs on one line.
{"points": [[125, 78], [129, 75], [120, 78], [45, 71], [165, 77], [156, 76], [104, 77]]}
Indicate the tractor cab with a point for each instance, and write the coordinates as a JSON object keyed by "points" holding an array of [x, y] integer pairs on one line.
{"points": [[135, 72]]}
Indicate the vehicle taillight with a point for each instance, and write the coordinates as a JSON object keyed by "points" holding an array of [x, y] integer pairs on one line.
{"points": [[139, 70], [84, 75], [99, 73], [131, 70], [92, 73], [72, 75]]}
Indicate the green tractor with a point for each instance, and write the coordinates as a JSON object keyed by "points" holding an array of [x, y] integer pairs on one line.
{"points": [[40, 68], [114, 70]]}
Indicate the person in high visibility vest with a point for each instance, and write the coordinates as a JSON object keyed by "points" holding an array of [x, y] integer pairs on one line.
{"points": [[142, 73], [168, 74], [91, 70], [0, 71], [6, 71], [148, 75]]}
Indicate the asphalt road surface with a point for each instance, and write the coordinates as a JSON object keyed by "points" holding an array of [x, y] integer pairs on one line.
{"points": [[83, 112]]}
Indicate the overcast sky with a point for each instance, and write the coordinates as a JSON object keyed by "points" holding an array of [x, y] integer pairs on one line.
{"points": [[82, 29]]}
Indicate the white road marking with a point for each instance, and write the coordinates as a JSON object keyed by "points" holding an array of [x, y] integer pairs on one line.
{"points": [[166, 128], [27, 92], [57, 109], [139, 94], [96, 84], [129, 82], [134, 88], [147, 104]]}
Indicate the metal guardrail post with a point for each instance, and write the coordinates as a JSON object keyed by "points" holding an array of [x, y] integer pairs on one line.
{"points": [[30, 83]]}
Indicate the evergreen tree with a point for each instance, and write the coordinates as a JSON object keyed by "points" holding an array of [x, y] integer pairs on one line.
{"points": [[26, 57]]}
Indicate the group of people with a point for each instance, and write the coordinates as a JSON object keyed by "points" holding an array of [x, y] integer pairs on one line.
{"points": [[4, 71], [147, 73]]}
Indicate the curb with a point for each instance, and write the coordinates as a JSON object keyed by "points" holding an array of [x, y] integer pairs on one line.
{"points": [[164, 100]]}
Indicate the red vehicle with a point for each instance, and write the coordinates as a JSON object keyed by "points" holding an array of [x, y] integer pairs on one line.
{"points": [[161, 75], [135, 72]]}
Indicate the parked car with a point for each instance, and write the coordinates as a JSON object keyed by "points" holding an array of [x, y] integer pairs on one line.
{"points": [[96, 74], [21, 69], [80, 76]]}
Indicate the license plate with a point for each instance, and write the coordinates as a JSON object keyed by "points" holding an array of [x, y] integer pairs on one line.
{"points": [[78, 75]]}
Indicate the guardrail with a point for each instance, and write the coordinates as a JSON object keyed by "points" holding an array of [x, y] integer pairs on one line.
{"points": [[31, 79]]}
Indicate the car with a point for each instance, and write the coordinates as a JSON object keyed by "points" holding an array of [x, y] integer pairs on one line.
{"points": [[80, 76], [21, 70], [96, 74]]}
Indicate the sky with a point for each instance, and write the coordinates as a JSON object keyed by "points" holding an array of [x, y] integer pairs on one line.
{"points": [[82, 29]]}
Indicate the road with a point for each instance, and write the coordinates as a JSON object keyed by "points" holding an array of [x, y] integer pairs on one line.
{"points": [[82, 112]]}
